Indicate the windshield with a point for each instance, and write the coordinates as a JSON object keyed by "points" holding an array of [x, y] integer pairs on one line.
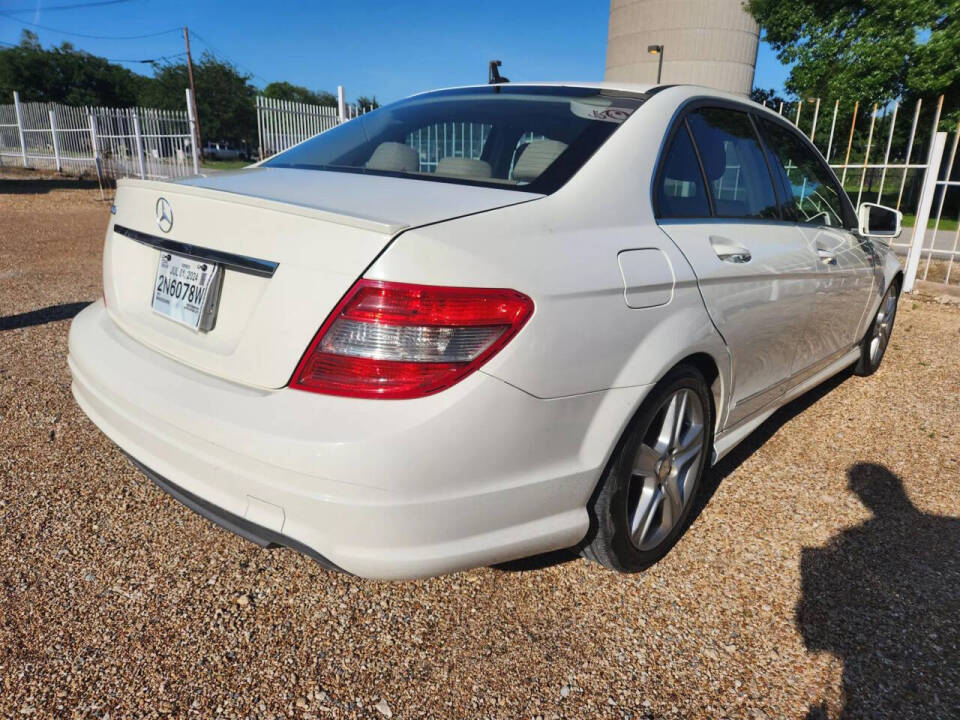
{"points": [[530, 138]]}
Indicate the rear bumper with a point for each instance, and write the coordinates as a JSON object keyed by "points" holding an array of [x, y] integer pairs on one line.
{"points": [[478, 474], [228, 521]]}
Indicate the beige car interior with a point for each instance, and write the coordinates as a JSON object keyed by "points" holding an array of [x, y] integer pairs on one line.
{"points": [[535, 157]]}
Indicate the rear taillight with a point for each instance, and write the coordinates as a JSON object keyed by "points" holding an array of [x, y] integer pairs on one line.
{"points": [[395, 340]]}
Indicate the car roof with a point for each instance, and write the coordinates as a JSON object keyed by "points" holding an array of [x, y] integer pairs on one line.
{"points": [[623, 87], [684, 91]]}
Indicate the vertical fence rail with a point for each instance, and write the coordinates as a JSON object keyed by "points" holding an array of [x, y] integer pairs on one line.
{"points": [[923, 214]]}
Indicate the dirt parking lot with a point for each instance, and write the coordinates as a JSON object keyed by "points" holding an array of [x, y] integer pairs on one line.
{"points": [[820, 576]]}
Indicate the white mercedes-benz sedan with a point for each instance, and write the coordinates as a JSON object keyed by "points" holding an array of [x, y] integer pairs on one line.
{"points": [[481, 323]]}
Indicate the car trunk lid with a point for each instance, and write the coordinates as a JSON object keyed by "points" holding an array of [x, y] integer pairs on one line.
{"points": [[293, 242]]}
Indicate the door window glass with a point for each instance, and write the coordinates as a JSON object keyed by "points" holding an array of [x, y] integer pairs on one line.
{"points": [[734, 164], [681, 192], [811, 192]]}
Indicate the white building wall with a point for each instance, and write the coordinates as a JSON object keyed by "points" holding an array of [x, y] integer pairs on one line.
{"points": [[706, 42]]}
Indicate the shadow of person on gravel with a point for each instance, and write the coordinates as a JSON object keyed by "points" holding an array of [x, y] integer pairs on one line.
{"points": [[884, 597]]}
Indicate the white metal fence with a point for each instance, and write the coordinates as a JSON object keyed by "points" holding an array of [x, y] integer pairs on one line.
{"points": [[284, 123], [112, 142], [890, 164]]}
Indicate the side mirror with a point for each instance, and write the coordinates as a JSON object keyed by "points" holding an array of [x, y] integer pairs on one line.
{"points": [[879, 221]]}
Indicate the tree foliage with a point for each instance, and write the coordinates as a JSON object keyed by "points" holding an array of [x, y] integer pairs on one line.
{"points": [[64, 74], [225, 97], [767, 97], [298, 93], [867, 50]]}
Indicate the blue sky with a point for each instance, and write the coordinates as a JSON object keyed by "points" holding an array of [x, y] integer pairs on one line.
{"points": [[389, 49]]}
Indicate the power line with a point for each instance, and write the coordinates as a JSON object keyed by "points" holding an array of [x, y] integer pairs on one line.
{"points": [[72, 6], [84, 35], [116, 60]]}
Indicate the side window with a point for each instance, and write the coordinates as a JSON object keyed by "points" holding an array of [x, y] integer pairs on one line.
{"points": [[811, 192], [681, 193], [734, 164]]}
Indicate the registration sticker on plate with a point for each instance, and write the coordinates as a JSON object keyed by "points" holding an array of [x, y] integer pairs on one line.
{"points": [[187, 290]]}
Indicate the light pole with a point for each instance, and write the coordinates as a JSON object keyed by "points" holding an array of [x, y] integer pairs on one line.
{"points": [[657, 50]]}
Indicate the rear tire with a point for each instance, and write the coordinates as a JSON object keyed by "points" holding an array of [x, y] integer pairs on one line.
{"points": [[644, 499], [874, 344]]}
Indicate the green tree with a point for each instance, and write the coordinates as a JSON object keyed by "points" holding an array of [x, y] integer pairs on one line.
{"points": [[65, 74], [369, 103], [225, 97], [298, 93], [768, 98], [867, 50]]}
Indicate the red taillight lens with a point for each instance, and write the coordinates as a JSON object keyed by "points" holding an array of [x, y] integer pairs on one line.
{"points": [[394, 340]]}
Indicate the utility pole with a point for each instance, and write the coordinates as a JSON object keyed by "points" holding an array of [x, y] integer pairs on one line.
{"points": [[193, 92]]}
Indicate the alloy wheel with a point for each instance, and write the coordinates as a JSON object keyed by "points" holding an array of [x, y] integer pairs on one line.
{"points": [[665, 469], [882, 326]]}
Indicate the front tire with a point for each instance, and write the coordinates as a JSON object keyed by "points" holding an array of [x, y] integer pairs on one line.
{"points": [[646, 495], [874, 344]]}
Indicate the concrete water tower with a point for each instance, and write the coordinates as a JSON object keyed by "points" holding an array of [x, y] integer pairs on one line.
{"points": [[705, 42]]}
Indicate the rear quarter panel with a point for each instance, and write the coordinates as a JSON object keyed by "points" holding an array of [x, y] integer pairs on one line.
{"points": [[562, 251]]}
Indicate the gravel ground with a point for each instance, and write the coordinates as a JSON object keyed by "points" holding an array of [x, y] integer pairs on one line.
{"points": [[821, 575]]}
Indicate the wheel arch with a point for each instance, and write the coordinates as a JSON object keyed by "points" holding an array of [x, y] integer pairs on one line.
{"points": [[898, 279], [708, 367]]}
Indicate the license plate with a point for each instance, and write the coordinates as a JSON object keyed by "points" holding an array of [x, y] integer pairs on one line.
{"points": [[187, 290]]}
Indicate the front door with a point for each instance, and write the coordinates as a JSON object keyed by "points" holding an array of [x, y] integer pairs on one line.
{"points": [[846, 263]]}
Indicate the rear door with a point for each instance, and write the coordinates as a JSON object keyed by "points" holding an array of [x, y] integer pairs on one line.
{"points": [[846, 263], [715, 198]]}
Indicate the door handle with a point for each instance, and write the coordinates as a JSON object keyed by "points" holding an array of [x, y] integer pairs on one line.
{"points": [[827, 257], [729, 251]]}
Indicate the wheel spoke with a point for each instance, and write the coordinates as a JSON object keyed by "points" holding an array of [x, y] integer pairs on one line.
{"points": [[674, 495], [684, 459], [679, 419], [691, 439], [650, 501], [665, 436], [645, 463]]}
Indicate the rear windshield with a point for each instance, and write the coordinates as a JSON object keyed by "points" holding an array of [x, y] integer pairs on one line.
{"points": [[514, 137]]}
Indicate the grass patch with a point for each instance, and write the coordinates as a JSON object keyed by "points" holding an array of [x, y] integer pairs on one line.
{"points": [[910, 219], [224, 164]]}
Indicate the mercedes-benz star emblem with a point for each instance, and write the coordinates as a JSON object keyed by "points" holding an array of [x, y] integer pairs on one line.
{"points": [[164, 215]]}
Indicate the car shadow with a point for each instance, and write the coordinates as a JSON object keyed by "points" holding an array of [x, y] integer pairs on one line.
{"points": [[713, 477], [884, 597], [755, 440], [38, 186], [54, 313]]}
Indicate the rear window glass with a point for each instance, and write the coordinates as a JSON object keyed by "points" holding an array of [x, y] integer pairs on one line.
{"points": [[681, 193], [529, 138]]}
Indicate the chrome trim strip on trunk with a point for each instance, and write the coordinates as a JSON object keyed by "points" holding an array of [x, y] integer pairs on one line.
{"points": [[240, 263]]}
